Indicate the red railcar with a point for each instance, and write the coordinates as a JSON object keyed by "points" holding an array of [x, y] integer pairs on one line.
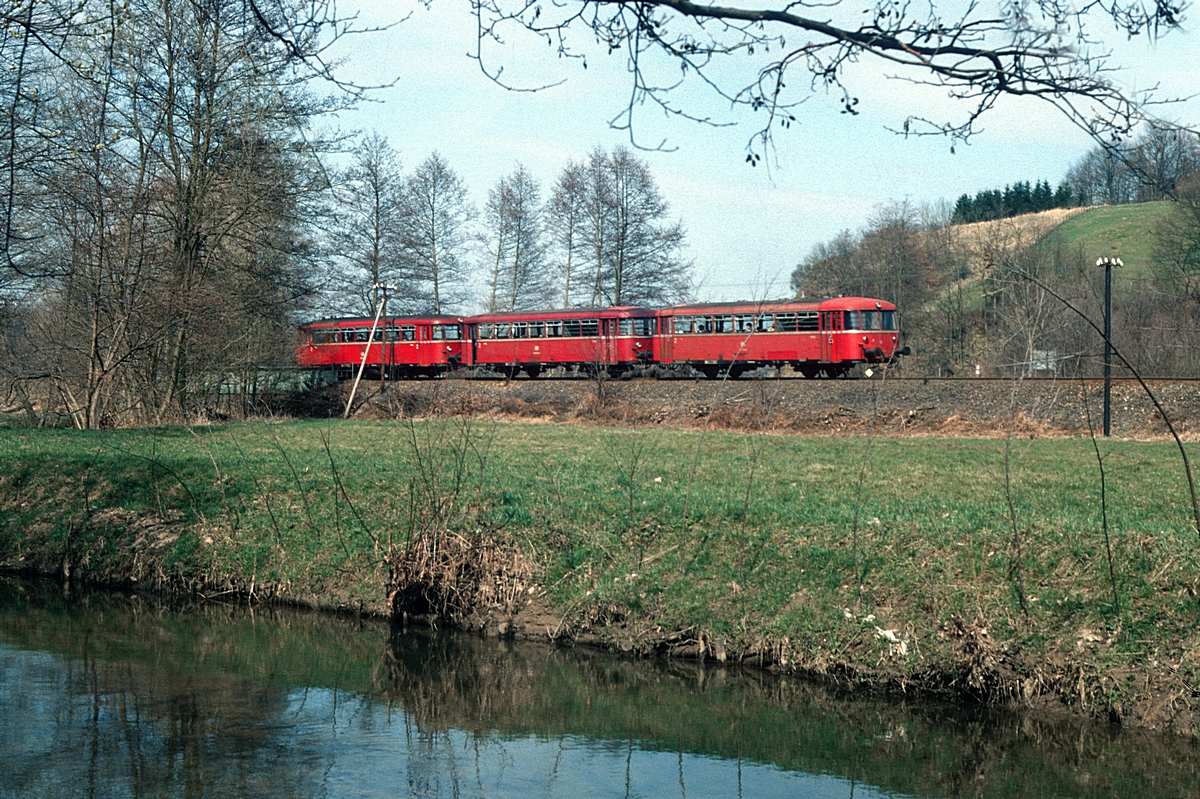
{"points": [[819, 337], [401, 346], [614, 339]]}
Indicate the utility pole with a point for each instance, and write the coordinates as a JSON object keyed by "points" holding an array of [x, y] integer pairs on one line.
{"points": [[1108, 264]]}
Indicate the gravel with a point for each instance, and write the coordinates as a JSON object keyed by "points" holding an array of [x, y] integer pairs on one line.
{"points": [[941, 407]]}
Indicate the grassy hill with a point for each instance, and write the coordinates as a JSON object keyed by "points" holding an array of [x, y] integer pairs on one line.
{"points": [[1121, 231]]}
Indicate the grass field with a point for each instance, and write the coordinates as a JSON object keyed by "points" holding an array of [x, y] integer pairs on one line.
{"points": [[816, 551], [1119, 231]]}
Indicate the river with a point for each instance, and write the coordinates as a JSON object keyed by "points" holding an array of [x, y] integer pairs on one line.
{"points": [[105, 694]]}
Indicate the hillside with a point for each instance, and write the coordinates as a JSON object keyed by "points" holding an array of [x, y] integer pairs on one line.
{"points": [[1119, 231]]}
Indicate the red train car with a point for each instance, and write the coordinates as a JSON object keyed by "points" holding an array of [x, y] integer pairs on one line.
{"points": [[615, 339], [820, 337], [401, 346]]}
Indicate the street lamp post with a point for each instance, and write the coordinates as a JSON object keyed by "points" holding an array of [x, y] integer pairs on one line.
{"points": [[1108, 264]]}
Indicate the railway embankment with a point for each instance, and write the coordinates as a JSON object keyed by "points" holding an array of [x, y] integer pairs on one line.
{"points": [[905, 407], [964, 539]]}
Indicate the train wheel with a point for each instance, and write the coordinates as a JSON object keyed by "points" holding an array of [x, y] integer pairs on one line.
{"points": [[735, 372], [810, 372], [709, 370], [533, 370]]}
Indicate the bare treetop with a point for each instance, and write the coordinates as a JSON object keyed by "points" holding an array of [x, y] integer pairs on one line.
{"points": [[978, 51]]}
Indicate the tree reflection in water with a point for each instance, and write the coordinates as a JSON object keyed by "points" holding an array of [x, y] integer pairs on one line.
{"points": [[108, 695]]}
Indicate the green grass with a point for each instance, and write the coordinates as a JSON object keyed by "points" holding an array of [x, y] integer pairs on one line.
{"points": [[1119, 231], [770, 553]]}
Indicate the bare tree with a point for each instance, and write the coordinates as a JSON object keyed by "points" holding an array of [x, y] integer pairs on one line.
{"points": [[369, 235], [436, 233], [978, 52], [520, 277], [646, 263], [566, 212], [634, 254], [1177, 247], [1165, 158], [176, 214]]}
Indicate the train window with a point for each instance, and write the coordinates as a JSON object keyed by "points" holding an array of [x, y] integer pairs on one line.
{"points": [[408, 332], [889, 320], [537, 329], [589, 327], [704, 324], [870, 320], [487, 330], [683, 324], [853, 321], [503, 330], [571, 327], [743, 323], [786, 322], [625, 327], [806, 320], [446, 332], [766, 323], [520, 330], [376, 334], [361, 333], [554, 329], [642, 327], [722, 324]]}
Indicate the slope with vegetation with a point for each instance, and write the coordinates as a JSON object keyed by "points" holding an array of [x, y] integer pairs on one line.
{"points": [[984, 294], [974, 568]]}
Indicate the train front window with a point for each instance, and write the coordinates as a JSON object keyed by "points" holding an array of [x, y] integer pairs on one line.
{"points": [[889, 320]]}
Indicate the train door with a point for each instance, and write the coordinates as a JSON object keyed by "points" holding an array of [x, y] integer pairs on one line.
{"points": [[831, 321], [424, 344], [666, 349], [608, 341], [468, 349]]}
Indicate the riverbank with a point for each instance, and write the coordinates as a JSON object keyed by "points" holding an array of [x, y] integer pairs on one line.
{"points": [[973, 568]]}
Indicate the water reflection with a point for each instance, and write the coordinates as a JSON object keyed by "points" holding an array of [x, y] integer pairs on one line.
{"points": [[107, 695]]}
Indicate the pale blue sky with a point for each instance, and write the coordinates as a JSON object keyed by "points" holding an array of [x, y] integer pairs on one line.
{"points": [[747, 227]]}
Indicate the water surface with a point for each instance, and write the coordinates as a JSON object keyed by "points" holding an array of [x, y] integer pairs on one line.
{"points": [[108, 695]]}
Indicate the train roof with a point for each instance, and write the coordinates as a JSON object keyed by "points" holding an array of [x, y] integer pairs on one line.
{"points": [[615, 312], [783, 305], [350, 321]]}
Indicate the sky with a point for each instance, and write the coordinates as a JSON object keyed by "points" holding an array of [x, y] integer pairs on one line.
{"points": [[747, 227]]}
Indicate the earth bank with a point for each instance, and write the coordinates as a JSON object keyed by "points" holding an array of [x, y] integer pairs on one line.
{"points": [[268, 533]]}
